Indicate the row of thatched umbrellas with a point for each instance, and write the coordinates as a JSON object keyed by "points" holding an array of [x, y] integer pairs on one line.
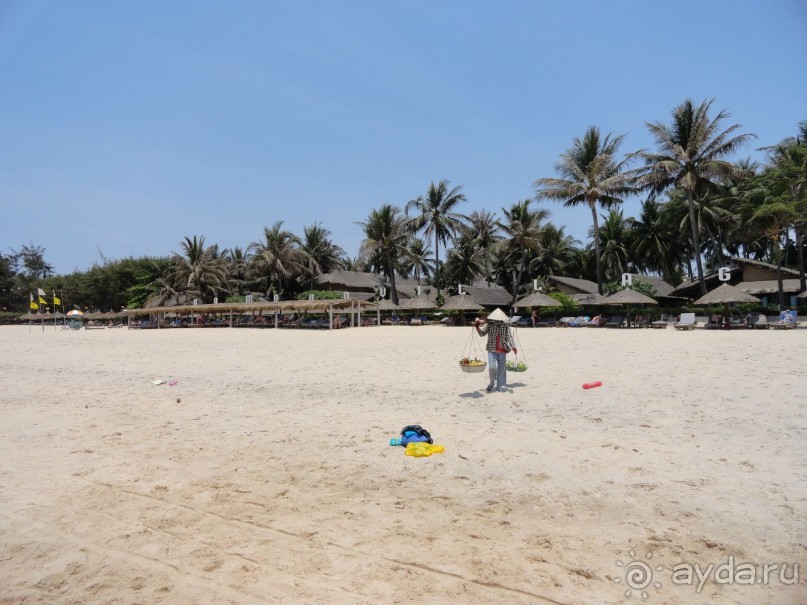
{"points": [[725, 294], [74, 315]]}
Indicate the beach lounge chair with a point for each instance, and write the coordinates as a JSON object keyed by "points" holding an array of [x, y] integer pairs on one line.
{"points": [[759, 321], [617, 321], [787, 321], [687, 322], [714, 324], [545, 323]]}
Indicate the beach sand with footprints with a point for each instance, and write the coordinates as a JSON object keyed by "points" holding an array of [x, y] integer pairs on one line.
{"points": [[259, 471]]}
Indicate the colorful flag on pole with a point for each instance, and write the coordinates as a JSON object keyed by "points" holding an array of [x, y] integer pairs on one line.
{"points": [[33, 305], [42, 301], [56, 301], [40, 291]]}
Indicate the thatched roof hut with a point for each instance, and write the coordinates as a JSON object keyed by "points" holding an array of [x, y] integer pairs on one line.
{"points": [[488, 296], [592, 300], [350, 281]]}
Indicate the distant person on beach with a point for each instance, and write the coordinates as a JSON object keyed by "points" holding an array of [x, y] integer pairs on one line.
{"points": [[500, 343]]}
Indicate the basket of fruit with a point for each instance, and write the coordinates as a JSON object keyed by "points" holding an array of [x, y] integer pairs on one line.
{"points": [[517, 366], [472, 365]]}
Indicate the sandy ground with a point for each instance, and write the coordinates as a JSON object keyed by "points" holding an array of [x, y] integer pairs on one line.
{"points": [[265, 474]]}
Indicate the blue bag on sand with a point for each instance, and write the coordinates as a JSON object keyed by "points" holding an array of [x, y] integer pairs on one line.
{"points": [[414, 433], [414, 438]]}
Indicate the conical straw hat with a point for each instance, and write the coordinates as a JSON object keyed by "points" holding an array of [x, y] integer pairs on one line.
{"points": [[498, 315]]}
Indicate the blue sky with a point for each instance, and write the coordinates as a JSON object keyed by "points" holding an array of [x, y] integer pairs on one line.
{"points": [[126, 126]]}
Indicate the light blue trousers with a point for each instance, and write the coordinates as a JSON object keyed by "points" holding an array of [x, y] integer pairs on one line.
{"points": [[497, 368]]}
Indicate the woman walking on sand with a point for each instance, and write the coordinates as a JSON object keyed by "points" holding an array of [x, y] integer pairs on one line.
{"points": [[500, 343]]}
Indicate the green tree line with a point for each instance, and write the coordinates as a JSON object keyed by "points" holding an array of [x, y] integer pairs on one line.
{"points": [[700, 206]]}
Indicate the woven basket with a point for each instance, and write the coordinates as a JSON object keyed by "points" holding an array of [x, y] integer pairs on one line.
{"points": [[473, 369]]}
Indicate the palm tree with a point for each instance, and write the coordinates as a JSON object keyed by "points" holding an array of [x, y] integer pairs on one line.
{"points": [[278, 258], [437, 218], [690, 156], [324, 255], [590, 174], [465, 261], [522, 229], [418, 262], [387, 236], [788, 165], [655, 243], [198, 270], [555, 252], [614, 238], [773, 218], [237, 261], [484, 233]]}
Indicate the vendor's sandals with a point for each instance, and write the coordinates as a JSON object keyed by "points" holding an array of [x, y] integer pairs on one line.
{"points": [[489, 388]]}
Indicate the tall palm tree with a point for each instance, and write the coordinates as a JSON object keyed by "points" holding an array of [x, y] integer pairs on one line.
{"points": [[522, 228], [691, 152], [386, 235], [437, 217], [278, 258], [590, 174], [198, 270]]}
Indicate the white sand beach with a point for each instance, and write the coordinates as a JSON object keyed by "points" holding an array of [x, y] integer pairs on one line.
{"points": [[264, 475]]}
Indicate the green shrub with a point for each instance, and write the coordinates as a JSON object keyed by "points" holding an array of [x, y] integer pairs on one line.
{"points": [[320, 295]]}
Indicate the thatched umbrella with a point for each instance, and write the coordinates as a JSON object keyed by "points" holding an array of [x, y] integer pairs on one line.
{"points": [[387, 305], [28, 316], [725, 295], [418, 303], [536, 299], [462, 303], [629, 297]]}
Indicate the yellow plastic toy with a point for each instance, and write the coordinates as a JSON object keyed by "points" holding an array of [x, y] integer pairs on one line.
{"points": [[421, 448]]}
